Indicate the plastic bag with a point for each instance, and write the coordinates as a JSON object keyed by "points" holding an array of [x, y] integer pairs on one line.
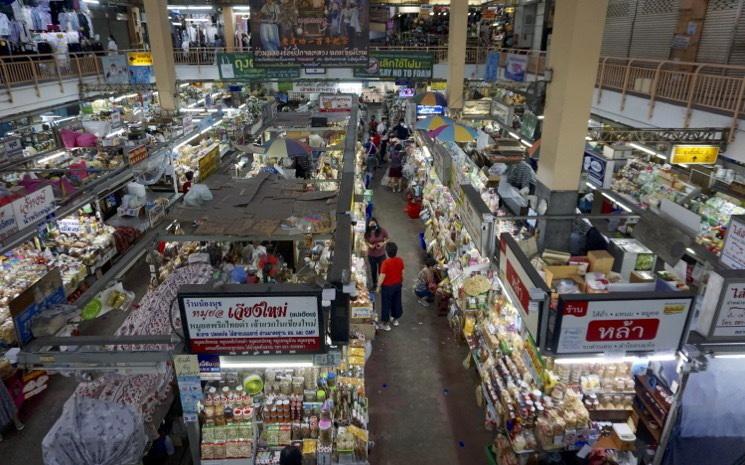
{"points": [[198, 195]]}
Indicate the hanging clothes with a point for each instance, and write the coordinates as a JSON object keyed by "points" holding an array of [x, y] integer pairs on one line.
{"points": [[4, 25]]}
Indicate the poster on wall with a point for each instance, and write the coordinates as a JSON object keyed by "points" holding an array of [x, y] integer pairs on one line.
{"points": [[241, 66], [238, 322], [596, 168], [515, 67], [398, 65], [605, 323], [115, 69], [491, 72], [310, 32]]}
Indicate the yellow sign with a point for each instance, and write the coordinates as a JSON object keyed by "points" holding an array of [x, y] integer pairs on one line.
{"points": [[208, 164], [439, 85], [694, 154], [140, 59]]}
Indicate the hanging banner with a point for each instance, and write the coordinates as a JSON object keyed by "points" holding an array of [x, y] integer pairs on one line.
{"points": [[694, 154], [33, 207], [140, 58], [41, 295], [115, 69], [491, 72], [602, 323], [283, 320], [529, 125], [398, 65], [241, 66], [321, 33], [515, 67], [331, 103]]}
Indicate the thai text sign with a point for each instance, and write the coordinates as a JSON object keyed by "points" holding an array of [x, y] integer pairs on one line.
{"points": [[230, 323], [311, 33], [614, 324], [137, 155], [519, 285], [398, 65], [34, 206], [694, 154], [241, 66], [733, 252], [140, 58]]}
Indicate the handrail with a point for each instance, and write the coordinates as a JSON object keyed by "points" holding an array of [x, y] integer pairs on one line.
{"points": [[705, 86]]}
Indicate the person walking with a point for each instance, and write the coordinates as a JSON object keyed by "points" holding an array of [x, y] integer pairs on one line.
{"points": [[375, 238], [390, 281], [8, 410], [396, 168], [426, 282]]}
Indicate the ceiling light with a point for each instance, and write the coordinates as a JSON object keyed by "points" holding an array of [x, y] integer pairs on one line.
{"points": [[53, 156], [189, 7], [177, 24], [124, 97], [615, 359], [241, 8], [647, 150], [540, 116], [92, 2], [198, 20], [281, 361]]}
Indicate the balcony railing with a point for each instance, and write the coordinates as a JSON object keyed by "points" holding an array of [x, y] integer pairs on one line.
{"points": [[709, 87]]}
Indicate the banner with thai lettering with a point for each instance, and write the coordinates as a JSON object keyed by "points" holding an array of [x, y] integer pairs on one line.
{"points": [[323, 33], [241, 324], [398, 65], [34, 206], [241, 66], [614, 324]]}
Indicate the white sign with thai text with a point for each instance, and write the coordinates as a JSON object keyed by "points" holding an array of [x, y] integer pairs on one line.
{"points": [[34, 207], [243, 324]]}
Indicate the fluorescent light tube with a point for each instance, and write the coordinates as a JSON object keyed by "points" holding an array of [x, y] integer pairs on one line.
{"points": [[53, 156], [189, 7]]}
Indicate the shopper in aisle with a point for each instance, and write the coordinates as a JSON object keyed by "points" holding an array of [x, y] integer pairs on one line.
{"points": [[390, 282], [186, 186], [373, 126], [376, 238], [383, 132], [8, 410], [290, 455], [396, 169], [426, 282]]}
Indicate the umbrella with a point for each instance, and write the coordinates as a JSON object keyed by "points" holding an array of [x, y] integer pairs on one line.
{"points": [[454, 133], [433, 122], [283, 147], [431, 99]]}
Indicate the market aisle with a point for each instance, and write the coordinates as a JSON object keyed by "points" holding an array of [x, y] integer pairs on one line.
{"points": [[422, 401], [41, 412]]}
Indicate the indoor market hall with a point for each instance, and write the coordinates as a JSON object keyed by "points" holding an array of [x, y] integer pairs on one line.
{"points": [[372, 232]]}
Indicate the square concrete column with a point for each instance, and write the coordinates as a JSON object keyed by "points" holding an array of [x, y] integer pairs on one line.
{"points": [[573, 56], [161, 47], [228, 18], [457, 52]]}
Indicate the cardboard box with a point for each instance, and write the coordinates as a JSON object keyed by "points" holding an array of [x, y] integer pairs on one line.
{"points": [[559, 272], [641, 277], [600, 261]]}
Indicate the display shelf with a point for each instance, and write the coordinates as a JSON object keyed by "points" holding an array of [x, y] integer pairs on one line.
{"points": [[646, 419]]}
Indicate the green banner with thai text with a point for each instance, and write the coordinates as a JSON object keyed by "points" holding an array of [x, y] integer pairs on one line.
{"points": [[397, 65], [240, 66]]}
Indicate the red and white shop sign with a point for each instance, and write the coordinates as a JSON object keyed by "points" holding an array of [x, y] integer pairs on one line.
{"points": [[518, 285], [592, 326], [333, 103], [225, 324]]}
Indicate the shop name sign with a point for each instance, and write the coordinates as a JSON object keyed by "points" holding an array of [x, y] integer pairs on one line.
{"points": [[228, 323], [694, 154], [137, 154], [34, 206], [397, 65], [526, 292], [611, 323], [241, 66]]}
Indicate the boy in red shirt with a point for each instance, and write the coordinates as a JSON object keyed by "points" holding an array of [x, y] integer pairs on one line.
{"points": [[390, 281]]}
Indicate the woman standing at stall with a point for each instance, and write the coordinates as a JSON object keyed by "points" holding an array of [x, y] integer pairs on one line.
{"points": [[396, 169], [375, 238]]}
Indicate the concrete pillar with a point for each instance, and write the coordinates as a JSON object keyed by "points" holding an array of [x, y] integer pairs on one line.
{"points": [[457, 52], [161, 47], [573, 57], [228, 18]]}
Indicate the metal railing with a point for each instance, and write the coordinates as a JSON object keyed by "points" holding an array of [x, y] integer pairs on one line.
{"points": [[709, 87]]}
